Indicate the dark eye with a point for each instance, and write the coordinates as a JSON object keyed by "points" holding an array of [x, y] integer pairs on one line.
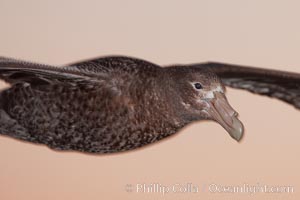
{"points": [[198, 86]]}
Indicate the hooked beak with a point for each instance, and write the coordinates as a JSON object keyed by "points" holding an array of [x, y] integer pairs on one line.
{"points": [[220, 111]]}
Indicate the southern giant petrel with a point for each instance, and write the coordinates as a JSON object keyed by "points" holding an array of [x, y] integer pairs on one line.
{"points": [[116, 103]]}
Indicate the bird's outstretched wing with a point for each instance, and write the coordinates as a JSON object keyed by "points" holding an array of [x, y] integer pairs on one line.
{"points": [[278, 84], [14, 71]]}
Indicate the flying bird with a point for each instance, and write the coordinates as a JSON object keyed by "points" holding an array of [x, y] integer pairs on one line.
{"points": [[115, 103]]}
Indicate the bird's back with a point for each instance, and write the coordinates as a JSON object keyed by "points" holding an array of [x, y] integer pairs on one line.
{"points": [[106, 105]]}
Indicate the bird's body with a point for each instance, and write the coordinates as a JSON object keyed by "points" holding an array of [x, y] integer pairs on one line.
{"points": [[96, 116], [105, 105]]}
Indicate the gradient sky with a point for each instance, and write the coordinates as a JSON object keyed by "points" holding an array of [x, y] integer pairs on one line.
{"points": [[258, 33]]}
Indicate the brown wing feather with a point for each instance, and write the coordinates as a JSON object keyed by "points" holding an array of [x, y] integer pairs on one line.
{"points": [[12, 71], [273, 83]]}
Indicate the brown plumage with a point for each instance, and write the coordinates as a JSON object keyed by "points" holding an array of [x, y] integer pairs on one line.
{"points": [[114, 104]]}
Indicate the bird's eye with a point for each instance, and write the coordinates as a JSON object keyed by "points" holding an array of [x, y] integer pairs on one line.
{"points": [[198, 86]]}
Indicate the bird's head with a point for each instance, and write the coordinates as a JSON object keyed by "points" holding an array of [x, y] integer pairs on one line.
{"points": [[202, 96]]}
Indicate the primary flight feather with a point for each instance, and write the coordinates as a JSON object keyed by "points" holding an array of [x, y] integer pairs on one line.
{"points": [[114, 104]]}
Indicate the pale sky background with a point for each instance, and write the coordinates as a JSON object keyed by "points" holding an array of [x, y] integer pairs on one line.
{"points": [[258, 33]]}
